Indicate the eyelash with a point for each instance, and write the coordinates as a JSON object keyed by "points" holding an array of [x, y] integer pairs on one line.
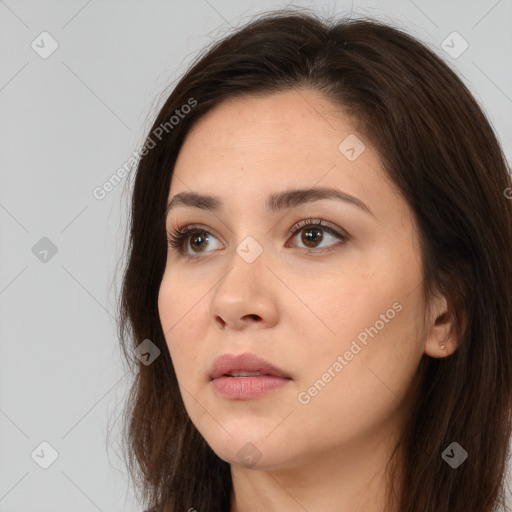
{"points": [[175, 239]]}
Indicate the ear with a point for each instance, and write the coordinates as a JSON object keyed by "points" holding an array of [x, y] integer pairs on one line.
{"points": [[440, 329]]}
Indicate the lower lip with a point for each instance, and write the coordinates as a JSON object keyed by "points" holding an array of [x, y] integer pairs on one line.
{"points": [[245, 388]]}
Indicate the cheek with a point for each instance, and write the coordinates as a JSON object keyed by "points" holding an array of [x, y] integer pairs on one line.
{"points": [[367, 333], [181, 309]]}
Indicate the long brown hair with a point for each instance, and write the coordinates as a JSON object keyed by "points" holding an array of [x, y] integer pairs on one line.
{"points": [[441, 153]]}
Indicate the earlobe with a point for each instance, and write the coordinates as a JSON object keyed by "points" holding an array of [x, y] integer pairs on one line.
{"points": [[441, 338]]}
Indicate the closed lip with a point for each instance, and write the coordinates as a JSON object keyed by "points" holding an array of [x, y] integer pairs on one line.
{"points": [[227, 364]]}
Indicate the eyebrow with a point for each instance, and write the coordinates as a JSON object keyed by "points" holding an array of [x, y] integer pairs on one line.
{"points": [[274, 203]]}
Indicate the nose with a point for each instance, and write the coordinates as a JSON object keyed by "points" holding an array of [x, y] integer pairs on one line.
{"points": [[245, 297]]}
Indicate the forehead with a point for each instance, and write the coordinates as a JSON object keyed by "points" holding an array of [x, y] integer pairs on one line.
{"points": [[276, 122], [250, 146]]}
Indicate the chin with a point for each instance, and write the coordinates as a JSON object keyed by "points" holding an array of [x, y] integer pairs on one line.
{"points": [[249, 451]]}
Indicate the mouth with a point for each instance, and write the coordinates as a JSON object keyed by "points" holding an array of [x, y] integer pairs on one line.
{"points": [[245, 376], [244, 365]]}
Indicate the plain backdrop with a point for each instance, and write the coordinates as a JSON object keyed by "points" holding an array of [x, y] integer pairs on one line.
{"points": [[80, 83]]}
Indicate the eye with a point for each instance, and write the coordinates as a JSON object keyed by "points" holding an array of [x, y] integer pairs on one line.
{"points": [[195, 237], [198, 239], [313, 234]]}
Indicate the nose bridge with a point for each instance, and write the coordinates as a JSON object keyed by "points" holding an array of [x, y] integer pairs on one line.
{"points": [[249, 237], [246, 264], [243, 291]]}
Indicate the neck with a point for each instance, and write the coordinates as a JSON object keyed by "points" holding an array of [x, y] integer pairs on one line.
{"points": [[352, 479]]}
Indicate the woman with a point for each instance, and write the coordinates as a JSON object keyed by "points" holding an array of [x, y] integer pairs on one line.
{"points": [[320, 270]]}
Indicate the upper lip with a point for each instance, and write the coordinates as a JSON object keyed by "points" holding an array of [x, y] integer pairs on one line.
{"points": [[230, 363]]}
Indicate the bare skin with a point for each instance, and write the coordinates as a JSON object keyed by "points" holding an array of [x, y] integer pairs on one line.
{"points": [[312, 448]]}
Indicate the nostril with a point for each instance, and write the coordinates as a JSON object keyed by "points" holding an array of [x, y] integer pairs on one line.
{"points": [[220, 322]]}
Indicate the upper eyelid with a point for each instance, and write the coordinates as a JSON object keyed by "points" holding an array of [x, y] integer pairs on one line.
{"points": [[314, 221]]}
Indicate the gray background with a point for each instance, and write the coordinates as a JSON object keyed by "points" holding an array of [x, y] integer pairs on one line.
{"points": [[67, 123]]}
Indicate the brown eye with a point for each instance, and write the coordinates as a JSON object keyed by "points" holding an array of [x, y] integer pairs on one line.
{"points": [[199, 240], [313, 232], [196, 238], [312, 236]]}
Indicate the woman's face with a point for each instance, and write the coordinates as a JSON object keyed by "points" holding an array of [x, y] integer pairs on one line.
{"points": [[337, 308]]}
